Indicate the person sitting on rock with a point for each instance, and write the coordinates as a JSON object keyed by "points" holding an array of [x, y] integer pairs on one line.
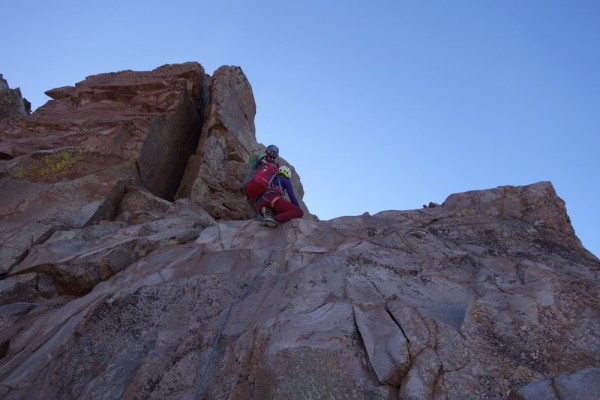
{"points": [[261, 173], [274, 202]]}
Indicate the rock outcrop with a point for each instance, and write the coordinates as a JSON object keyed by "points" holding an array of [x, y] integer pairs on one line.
{"points": [[12, 102], [70, 163], [121, 285], [216, 172]]}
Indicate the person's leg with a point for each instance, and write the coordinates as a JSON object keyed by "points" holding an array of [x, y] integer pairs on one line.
{"points": [[263, 208], [285, 210], [260, 203], [253, 190]]}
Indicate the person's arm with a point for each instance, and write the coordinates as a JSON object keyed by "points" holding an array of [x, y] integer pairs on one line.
{"points": [[259, 162], [287, 184], [253, 166]]}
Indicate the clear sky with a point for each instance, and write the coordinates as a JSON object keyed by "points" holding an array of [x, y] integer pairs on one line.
{"points": [[378, 104]]}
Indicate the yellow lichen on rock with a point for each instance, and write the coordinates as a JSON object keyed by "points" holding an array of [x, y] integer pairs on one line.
{"points": [[51, 164]]}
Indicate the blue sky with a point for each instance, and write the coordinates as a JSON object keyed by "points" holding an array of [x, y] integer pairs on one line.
{"points": [[378, 105]]}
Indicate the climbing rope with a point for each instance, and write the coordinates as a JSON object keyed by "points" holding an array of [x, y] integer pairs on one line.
{"points": [[226, 317]]}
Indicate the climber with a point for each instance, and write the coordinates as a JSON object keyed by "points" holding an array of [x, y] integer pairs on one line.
{"points": [[260, 174], [273, 201]]}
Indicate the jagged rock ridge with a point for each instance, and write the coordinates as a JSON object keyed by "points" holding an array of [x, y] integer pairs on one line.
{"points": [[117, 283], [12, 102]]}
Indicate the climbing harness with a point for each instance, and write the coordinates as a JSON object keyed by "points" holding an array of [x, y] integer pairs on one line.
{"points": [[226, 317], [276, 190]]}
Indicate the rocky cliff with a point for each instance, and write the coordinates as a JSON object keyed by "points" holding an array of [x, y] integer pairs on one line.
{"points": [[12, 102], [133, 268]]}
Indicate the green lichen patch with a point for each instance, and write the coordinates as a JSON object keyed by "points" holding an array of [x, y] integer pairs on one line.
{"points": [[464, 212], [50, 166]]}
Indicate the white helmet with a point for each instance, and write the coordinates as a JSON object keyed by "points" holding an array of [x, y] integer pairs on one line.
{"points": [[285, 171]]}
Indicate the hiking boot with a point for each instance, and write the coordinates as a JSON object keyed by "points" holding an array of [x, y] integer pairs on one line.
{"points": [[268, 219], [266, 212]]}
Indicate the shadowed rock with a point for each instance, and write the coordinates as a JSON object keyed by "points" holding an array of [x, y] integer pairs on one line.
{"points": [[12, 103]]}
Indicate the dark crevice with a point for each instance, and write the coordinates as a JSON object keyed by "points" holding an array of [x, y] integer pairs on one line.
{"points": [[4, 348], [410, 359], [26, 251], [555, 389], [170, 143], [397, 323], [361, 342]]}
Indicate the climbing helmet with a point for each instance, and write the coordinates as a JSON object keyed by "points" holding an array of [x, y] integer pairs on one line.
{"points": [[285, 171], [272, 151]]}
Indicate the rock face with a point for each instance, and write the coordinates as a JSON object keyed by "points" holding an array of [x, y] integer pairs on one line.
{"points": [[70, 163], [119, 286], [216, 173], [12, 102]]}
